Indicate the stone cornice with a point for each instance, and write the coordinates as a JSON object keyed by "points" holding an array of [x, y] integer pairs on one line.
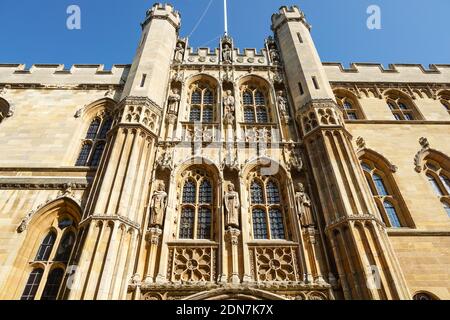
{"points": [[81, 86], [403, 232], [42, 183]]}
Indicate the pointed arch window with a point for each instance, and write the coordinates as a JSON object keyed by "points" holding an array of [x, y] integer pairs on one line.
{"points": [[402, 107], [267, 211], [196, 219], [386, 194], [202, 104], [46, 247], [255, 107], [53, 284], [349, 104], [438, 178], [94, 143], [32, 286], [52, 263]]}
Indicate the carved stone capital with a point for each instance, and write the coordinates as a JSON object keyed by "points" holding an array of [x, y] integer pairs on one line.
{"points": [[233, 235], [153, 236]]}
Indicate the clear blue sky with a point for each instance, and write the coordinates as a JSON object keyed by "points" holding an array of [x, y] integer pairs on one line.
{"points": [[413, 31]]}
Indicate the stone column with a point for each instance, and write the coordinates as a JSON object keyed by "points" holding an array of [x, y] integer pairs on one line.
{"points": [[153, 238], [233, 236]]}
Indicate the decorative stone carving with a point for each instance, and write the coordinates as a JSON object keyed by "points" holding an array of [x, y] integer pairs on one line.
{"points": [[165, 161], [304, 207], [295, 161], [274, 56], [79, 113], [228, 102], [232, 205], [227, 50], [361, 143], [158, 205], [179, 52], [174, 101], [275, 264], [154, 235], [192, 264]]}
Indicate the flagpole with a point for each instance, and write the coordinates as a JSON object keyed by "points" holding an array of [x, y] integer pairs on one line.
{"points": [[225, 16]]}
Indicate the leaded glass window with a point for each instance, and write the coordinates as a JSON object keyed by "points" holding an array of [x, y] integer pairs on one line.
{"points": [[97, 155], [276, 224], [392, 215], [189, 191], [259, 224], [65, 247], [259, 99], [53, 284], [208, 114], [93, 129], [105, 128], [248, 98], [434, 184], [32, 286], [84, 155], [249, 115], [402, 108], [197, 207], [267, 213], [202, 104], [261, 115], [204, 223], [208, 98], [187, 223], [379, 184], [196, 97], [46, 247], [195, 114], [437, 175], [255, 107]]}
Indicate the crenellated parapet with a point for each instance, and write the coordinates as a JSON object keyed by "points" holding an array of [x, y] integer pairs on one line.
{"points": [[59, 75], [287, 14], [165, 12], [246, 57]]}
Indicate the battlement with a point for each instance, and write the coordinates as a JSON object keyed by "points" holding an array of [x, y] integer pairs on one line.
{"points": [[208, 56], [286, 14], [58, 74], [375, 72], [164, 11]]}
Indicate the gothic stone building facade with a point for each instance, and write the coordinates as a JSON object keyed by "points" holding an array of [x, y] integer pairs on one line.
{"points": [[225, 173]]}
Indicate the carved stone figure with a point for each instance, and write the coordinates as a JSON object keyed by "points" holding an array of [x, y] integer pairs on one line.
{"points": [[174, 100], [274, 56], [282, 103], [179, 52], [304, 206], [228, 102], [232, 204], [227, 55], [158, 205]]}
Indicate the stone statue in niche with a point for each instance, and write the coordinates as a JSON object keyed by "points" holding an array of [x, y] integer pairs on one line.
{"points": [[282, 103], [228, 102], [232, 204], [274, 56], [158, 205], [179, 53], [304, 206], [174, 100], [227, 55]]}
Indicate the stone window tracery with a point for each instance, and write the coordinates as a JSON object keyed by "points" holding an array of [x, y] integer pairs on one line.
{"points": [[51, 259], [202, 103], [402, 107], [255, 106], [438, 178], [266, 209], [196, 219], [349, 105], [93, 145], [385, 193]]}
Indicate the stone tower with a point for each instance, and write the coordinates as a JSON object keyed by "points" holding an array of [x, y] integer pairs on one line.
{"points": [[353, 225], [115, 210]]}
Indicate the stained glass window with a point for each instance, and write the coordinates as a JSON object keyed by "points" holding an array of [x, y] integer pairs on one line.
{"points": [[46, 247], [31, 288], [208, 114], [208, 98], [273, 194], [249, 115], [196, 98], [195, 114], [248, 98], [259, 99], [261, 115]]}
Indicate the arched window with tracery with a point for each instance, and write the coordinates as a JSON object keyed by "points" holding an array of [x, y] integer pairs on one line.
{"points": [[50, 260], [402, 107], [256, 109], [387, 196], [93, 144], [202, 103], [438, 176], [197, 204], [268, 214], [349, 104]]}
